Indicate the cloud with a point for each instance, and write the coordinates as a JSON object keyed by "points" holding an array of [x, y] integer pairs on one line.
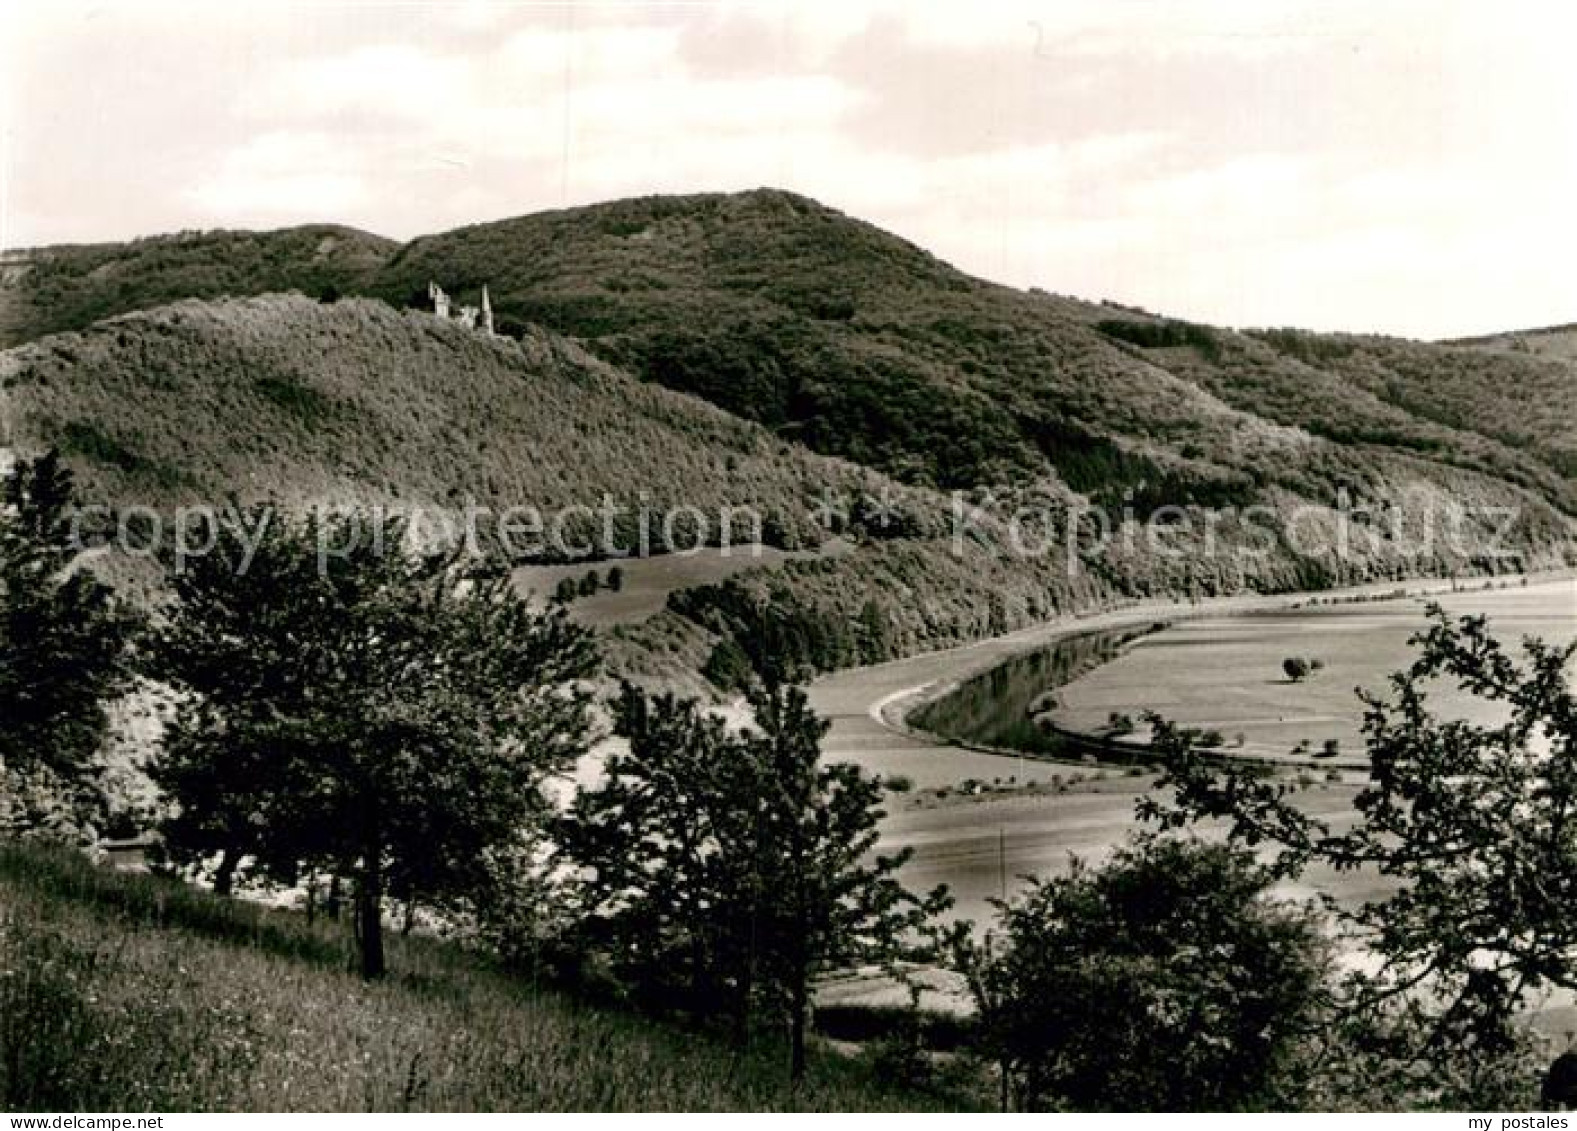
{"points": [[399, 82], [1334, 163], [284, 177]]}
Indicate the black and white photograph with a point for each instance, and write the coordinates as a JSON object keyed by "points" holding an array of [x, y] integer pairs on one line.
{"points": [[580, 556]]}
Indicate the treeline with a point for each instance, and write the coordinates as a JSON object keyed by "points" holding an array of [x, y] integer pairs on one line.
{"points": [[1160, 333], [70, 287], [589, 584], [1123, 480], [778, 637]]}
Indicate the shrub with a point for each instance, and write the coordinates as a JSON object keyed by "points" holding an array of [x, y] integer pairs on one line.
{"points": [[1163, 981]]}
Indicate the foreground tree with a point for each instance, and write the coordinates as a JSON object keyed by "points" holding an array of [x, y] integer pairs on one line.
{"points": [[668, 846], [1165, 980], [365, 714], [726, 870], [1474, 828], [63, 639], [830, 902]]}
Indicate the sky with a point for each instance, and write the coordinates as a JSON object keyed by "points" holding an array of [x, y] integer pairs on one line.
{"points": [[1389, 165]]}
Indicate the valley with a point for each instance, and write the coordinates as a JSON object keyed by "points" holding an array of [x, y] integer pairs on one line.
{"points": [[975, 846], [985, 846]]}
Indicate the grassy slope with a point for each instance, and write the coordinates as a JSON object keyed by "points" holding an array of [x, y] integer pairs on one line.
{"points": [[132, 994]]}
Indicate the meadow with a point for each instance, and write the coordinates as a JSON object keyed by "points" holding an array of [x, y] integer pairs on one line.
{"points": [[648, 581], [134, 993], [1225, 673]]}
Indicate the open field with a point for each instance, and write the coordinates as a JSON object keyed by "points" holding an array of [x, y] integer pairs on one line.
{"points": [[863, 704], [649, 580], [1224, 673]]}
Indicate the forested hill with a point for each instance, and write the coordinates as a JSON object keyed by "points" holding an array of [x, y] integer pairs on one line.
{"points": [[856, 343], [852, 366], [290, 398], [354, 402], [68, 287]]}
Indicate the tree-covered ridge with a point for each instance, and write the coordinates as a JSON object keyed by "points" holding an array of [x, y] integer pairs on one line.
{"points": [[857, 343], [354, 402], [1519, 394], [815, 336], [67, 287], [282, 396]]}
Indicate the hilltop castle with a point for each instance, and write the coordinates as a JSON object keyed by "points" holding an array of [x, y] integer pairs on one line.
{"points": [[471, 317]]}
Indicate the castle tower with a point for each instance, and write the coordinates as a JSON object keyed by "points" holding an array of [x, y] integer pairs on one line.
{"points": [[440, 299], [487, 311]]}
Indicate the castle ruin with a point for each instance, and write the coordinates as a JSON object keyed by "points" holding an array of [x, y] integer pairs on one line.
{"points": [[471, 317]]}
